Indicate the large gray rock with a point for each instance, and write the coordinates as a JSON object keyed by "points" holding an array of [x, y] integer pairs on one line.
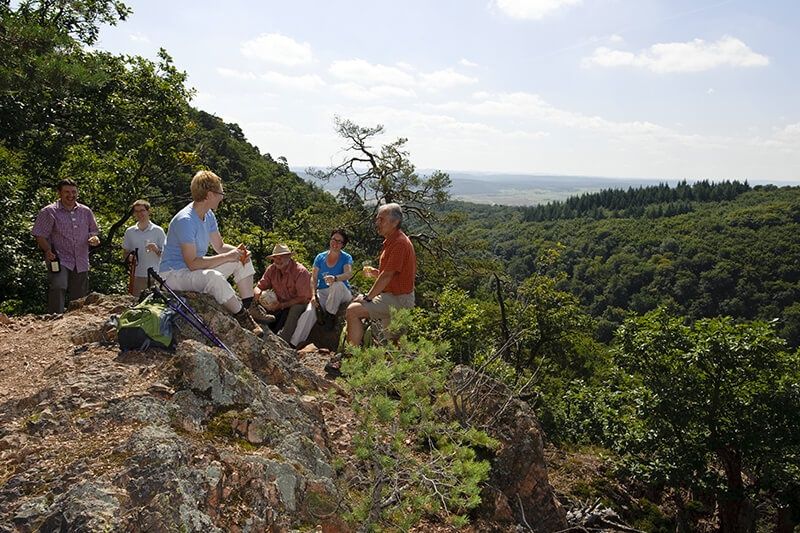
{"points": [[518, 490], [195, 440]]}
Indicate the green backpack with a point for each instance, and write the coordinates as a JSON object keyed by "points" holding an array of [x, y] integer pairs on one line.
{"points": [[146, 325]]}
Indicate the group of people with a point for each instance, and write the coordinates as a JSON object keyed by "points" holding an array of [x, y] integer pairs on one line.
{"points": [[287, 297]]}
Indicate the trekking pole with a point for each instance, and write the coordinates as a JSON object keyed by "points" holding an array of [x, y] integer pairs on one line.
{"points": [[132, 259], [186, 311]]}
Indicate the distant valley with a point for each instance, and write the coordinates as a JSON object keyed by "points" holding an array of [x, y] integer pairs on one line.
{"points": [[530, 189]]}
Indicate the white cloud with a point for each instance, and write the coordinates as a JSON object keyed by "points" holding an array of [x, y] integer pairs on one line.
{"points": [[306, 82], [445, 79], [710, 90], [522, 106], [614, 38], [428, 125], [692, 56], [139, 37], [464, 62], [531, 9], [360, 71], [355, 91], [235, 74], [277, 48], [451, 140], [528, 135], [792, 130], [358, 74], [786, 139]]}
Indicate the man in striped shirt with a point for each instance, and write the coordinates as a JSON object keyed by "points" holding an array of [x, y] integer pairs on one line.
{"points": [[65, 230]]}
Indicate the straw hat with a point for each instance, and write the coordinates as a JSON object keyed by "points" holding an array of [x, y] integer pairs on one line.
{"points": [[280, 249]]}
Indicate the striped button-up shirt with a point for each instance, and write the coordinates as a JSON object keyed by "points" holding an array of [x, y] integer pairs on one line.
{"points": [[68, 232]]}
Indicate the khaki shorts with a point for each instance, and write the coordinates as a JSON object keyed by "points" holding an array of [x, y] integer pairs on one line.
{"points": [[380, 306], [140, 284]]}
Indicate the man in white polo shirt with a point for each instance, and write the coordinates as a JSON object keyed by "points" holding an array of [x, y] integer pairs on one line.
{"points": [[148, 240]]}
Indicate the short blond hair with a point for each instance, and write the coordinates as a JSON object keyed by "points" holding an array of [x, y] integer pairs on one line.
{"points": [[143, 203], [204, 181]]}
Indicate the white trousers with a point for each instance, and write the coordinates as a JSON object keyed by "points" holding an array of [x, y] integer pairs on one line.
{"points": [[330, 299], [213, 281]]}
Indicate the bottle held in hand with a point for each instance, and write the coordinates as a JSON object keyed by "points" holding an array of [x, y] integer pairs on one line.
{"points": [[54, 266]]}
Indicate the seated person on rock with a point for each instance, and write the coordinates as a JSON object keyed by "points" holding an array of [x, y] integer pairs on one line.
{"points": [[394, 278], [184, 264], [291, 283], [329, 281]]}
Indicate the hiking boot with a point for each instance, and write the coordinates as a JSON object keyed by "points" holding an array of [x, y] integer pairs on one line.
{"points": [[260, 314], [246, 321], [333, 369]]}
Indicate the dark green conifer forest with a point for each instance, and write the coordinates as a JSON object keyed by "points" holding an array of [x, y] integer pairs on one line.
{"points": [[659, 325]]}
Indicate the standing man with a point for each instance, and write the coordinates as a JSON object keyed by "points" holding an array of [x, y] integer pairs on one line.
{"points": [[184, 264], [147, 240], [291, 282], [64, 231], [394, 278]]}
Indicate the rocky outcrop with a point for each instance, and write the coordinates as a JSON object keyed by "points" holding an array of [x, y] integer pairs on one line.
{"points": [[153, 441], [518, 490], [199, 439]]}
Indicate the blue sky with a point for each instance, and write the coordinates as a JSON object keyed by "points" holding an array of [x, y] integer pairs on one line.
{"points": [[617, 88]]}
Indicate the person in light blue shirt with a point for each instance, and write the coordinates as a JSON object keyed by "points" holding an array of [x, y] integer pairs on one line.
{"points": [[147, 240], [330, 282], [185, 265]]}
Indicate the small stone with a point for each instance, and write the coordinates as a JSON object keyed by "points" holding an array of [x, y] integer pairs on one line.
{"points": [[13, 441], [159, 389]]}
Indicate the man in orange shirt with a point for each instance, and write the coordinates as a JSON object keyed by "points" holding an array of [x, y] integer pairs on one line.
{"points": [[394, 278]]}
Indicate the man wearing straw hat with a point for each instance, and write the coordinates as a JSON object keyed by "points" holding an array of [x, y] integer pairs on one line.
{"points": [[291, 283]]}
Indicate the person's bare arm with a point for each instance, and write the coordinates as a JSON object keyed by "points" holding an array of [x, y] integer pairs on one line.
{"points": [[380, 284], [44, 246], [189, 253]]}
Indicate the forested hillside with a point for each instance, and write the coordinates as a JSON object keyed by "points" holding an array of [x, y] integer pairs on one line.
{"points": [[650, 331], [703, 250]]}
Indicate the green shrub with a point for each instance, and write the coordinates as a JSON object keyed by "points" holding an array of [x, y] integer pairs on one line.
{"points": [[412, 459]]}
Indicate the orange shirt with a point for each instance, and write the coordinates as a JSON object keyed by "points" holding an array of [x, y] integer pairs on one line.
{"points": [[398, 256]]}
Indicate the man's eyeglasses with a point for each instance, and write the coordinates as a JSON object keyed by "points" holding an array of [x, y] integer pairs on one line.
{"points": [[217, 192], [340, 241], [140, 210]]}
